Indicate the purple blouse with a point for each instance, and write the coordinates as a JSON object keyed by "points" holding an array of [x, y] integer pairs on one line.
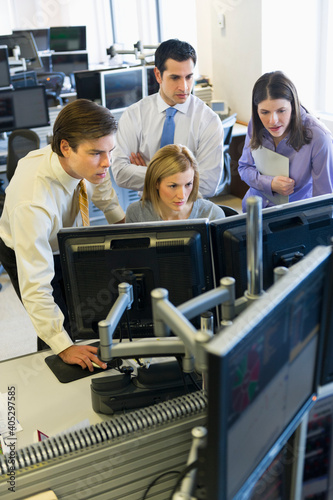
{"points": [[311, 167]]}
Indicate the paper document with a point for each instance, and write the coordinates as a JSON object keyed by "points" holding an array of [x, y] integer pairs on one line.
{"points": [[271, 163]]}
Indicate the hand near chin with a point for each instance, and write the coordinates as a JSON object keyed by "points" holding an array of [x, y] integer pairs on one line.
{"points": [[137, 159], [283, 185], [83, 355]]}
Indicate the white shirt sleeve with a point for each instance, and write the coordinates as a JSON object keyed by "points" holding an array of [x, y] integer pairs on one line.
{"points": [[31, 228], [106, 199], [124, 172], [209, 155]]}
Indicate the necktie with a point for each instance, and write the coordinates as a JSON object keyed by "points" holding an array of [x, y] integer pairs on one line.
{"points": [[169, 127], [83, 203]]}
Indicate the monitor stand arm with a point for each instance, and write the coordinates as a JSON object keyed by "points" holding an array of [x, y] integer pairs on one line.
{"points": [[187, 487], [147, 347]]}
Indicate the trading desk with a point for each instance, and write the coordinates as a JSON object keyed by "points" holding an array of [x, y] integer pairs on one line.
{"points": [[120, 453], [41, 401]]}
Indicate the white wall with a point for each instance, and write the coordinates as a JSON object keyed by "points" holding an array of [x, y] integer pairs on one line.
{"points": [[236, 52], [260, 36], [290, 43], [5, 18], [204, 37]]}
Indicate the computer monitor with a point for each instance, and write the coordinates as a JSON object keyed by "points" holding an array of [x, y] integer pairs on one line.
{"points": [[68, 38], [263, 374], [152, 84], [24, 79], [26, 41], [41, 36], [121, 88], [327, 363], [69, 62], [88, 85], [174, 255], [4, 67], [289, 232], [25, 107]]}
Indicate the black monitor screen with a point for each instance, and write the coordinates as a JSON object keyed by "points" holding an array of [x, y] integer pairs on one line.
{"points": [[67, 38], [263, 376], [4, 67], [121, 88], [327, 364], [173, 255], [25, 40], [152, 85], [289, 232], [88, 85], [25, 107], [68, 63], [41, 36]]}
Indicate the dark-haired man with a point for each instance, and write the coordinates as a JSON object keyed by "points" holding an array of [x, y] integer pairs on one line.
{"points": [[196, 125], [43, 197]]}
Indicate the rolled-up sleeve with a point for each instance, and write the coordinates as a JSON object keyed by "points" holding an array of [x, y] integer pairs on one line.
{"points": [[106, 199]]}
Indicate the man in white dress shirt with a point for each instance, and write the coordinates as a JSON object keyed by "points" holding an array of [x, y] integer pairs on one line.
{"points": [[42, 197], [196, 125]]}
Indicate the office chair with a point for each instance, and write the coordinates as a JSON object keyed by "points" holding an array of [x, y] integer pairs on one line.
{"points": [[228, 125], [20, 143], [228, 210], [53, 83]]}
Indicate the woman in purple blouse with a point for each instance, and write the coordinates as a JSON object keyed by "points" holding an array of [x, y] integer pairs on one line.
{"points": [[281, 124]]}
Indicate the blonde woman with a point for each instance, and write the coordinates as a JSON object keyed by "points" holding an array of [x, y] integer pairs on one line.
{"points": [[171, 189]]}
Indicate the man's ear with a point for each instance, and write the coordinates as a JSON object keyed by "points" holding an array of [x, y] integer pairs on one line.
{"points": [[158, 75], [65, 148]]}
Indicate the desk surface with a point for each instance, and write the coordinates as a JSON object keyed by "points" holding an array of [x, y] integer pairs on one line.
{"points": [[239, 129], [44, 403]]}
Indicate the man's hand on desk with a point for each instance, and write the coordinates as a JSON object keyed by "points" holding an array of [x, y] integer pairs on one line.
{"points": [[136, 159], [83, 355]]}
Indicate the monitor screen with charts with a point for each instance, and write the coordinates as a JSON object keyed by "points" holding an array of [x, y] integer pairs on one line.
{"points": [[263, 376], [68, 38]]}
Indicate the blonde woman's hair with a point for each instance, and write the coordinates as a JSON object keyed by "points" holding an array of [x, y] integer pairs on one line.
{"points": [[167, 161]]}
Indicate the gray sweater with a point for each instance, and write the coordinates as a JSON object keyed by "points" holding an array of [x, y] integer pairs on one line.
{"points": [[202, 209]]}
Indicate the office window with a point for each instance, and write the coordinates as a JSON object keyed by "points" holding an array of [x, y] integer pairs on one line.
{"points": [[134, 20], [179, 20], [152, 21]]}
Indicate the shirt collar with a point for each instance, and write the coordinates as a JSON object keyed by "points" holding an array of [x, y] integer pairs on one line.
{"points": [[68, 182], [162, 105]]}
